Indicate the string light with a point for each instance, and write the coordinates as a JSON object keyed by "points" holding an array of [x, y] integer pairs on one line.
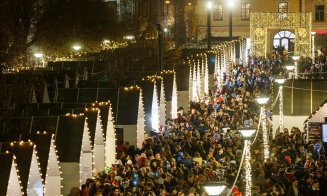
{"points": [[110, 142], [174, 99], [248, 176], [140, 122], [265, 135]]}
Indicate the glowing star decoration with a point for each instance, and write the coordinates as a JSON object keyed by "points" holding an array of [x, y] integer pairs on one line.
{"points": [[53, 178], [35, 182], [14, 183], [140, 131], [162, 104], [155, 110], [86, 157], [99, 146], [110, 146], [174, 103]]}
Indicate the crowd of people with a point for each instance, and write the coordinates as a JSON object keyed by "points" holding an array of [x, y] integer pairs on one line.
{"points": [[203, 144]]}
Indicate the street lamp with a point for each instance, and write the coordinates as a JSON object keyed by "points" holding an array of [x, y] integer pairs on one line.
{"points": [[289, 67], [313, 46], [296, 59], [38, 56], [247, 134], [77, 47], [280, 81], [262, 101], [209, 9], [214, 188], [231, 5]]}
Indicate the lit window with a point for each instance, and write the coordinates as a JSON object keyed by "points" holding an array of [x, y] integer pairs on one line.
{"points": [[320, 12], [245, 11], [282, 7], [217, 12]]}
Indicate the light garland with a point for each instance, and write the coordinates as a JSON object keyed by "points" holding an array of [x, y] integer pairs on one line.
{"points": [[110, 142], [206, 75], [86, 155], [248, 176], [174, 99], [265, 135], [15, 186], [194, 85], [99, 145], [198, 79], [162, 104], [281, 109], [140, 130], [155, 110], [53, 173], [190, 85]]}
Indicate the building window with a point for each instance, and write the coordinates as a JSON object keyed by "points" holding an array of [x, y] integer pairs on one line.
{"points": [[245, 11], [217, 12], [282, 7], [320, 12]]}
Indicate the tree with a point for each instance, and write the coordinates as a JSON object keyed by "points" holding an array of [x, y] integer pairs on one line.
{"points": [[53, 26]]}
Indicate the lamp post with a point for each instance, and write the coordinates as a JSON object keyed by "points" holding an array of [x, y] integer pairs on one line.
{"points": [[247, 134], [38, 56], [214, 188], [313, 46], [231, 5], [289, 68], [77, 47], [262, 101], [296, 59], [209, 9], [281, 81]]}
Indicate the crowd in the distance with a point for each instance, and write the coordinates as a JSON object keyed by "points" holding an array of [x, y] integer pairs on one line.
{"points": [[203, 144]]}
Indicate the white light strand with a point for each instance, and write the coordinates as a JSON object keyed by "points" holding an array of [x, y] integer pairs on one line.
{"points": [[190, 85], [248, 176], [265, 135], [206, 76], [155, 109], [174, 99], [281, 108]]}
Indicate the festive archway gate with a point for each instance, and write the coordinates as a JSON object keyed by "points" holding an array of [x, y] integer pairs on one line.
{"points": [[261, 22]]}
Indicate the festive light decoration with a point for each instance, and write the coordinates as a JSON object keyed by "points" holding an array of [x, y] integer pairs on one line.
{"points": [[99, 145], [86, 155], [265, 135], [162, 104], [140, 122], [110, 143], [174, 102], [295, 58], [248, 176], [53, 177], [206, 75], [155, 109], [14, 184], [194, 85], [190, 83]]}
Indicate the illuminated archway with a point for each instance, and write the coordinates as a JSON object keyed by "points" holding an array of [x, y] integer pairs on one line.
{"points": [[261, 22]]}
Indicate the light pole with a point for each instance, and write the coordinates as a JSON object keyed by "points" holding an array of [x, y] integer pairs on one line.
{"points": [[209, 10], [296, 59], [231, 5], [289, 68], [262, 101], [280, 81], [77, 47], [214, 188], [38, 56], [247, 134], [313, 46]]}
